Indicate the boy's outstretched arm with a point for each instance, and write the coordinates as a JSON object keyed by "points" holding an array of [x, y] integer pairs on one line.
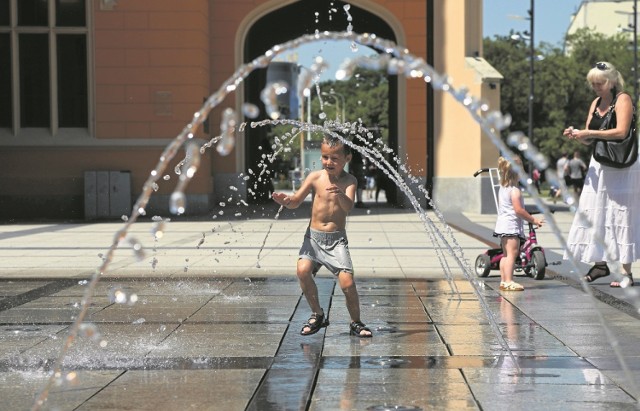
{"points": [[294, 200]]}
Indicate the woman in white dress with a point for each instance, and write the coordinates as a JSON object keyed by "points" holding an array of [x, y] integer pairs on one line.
{"points": [[609, 199]]}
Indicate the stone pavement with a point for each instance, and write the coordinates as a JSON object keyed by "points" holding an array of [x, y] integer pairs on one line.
{"points": [[209, 319]]}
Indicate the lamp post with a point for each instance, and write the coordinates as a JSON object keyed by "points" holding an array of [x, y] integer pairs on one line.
{"points": [[335, 100], [307, 94], [342, 101], [531, 72], [633, 27], [532, 58], [635, 51]]}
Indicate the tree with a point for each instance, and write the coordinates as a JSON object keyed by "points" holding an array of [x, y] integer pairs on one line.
{"points": [[562, 95], [366, 98]]}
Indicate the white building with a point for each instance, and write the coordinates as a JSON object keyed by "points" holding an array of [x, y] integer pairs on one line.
{"points": [[603, 16]]}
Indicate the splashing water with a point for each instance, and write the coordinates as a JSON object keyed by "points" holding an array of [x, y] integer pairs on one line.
{"points": [[395, 61]]}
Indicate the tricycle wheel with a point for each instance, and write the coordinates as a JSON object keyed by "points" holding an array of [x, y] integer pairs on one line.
{"points": [[539, 264], [483, 265]]}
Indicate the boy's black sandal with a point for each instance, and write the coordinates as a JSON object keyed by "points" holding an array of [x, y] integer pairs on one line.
{"points": [[314, 327], [627, 281], [597, 271], [356, 329]]}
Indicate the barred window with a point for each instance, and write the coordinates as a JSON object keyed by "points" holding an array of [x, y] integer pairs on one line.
{"points": [[45, 86]]}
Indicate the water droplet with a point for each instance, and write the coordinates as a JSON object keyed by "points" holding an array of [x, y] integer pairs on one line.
{"points": [[138, 250], [250, 110], [89, 330], [177, 203], [120, 295]]}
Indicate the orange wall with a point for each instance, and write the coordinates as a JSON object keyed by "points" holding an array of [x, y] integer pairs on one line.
{"points": [[153, 63], [412, 15], [151, 67]]}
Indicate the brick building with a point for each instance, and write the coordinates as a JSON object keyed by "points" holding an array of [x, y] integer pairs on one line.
{"points": [[104, 85]]}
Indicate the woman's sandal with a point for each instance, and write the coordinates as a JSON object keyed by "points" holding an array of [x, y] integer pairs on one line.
{"points": [[597, 271], [357, 327], [314, 324], [627, 281]]}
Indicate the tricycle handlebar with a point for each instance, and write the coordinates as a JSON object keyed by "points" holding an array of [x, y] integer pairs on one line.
{"points": [[482, 170]]}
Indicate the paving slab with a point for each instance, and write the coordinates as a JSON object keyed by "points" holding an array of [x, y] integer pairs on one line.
{"points": [[215, 325]]}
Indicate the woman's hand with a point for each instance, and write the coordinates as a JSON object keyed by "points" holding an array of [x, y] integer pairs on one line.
{"points": [[583, 136], [568, 131]]}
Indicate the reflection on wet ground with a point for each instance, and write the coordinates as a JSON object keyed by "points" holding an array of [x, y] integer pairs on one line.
{"points": [[234, 344]]}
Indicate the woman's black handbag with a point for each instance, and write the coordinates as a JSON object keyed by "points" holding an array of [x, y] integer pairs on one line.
{"points": [[617, 153]]}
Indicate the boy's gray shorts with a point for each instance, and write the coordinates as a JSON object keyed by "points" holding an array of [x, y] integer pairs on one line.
{"points": [[329, 249]]}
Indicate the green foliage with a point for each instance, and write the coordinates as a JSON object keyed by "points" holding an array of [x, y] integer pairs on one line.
{"points": [[562, 96], [365, 97]]}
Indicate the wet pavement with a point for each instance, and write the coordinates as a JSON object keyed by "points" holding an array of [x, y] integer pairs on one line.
{"points": [[204, 325]]}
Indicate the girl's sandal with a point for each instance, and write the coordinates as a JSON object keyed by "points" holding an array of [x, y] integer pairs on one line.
{"points": [[511, 286], [627, 281], [357, 327], [597, 271], [314, 324]]}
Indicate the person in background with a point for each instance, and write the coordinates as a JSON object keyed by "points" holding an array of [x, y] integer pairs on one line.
{"points": [[535, 175], [561, 165], [610, 196], [576, 170], [357, 169]]}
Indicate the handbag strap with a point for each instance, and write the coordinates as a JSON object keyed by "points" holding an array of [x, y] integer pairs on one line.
{"points": [[607, 117], [612, 107]]}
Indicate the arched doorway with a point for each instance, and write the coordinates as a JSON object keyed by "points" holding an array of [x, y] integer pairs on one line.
{"points": [[289, 22]]}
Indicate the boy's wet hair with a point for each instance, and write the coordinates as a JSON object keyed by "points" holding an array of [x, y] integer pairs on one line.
{"points": [[333, 141]]}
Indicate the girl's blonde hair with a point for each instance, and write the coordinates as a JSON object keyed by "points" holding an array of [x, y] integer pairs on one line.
{"points": [[508, 176]]}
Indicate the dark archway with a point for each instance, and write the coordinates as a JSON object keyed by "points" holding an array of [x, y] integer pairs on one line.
{"points": [[290, 22]]}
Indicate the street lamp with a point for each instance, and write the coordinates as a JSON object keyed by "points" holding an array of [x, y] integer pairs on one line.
{"points": [[633, 27], [342, 101], [307, 95], [532, 58], [531, 72]]}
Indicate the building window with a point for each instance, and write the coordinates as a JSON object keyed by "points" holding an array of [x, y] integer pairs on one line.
{"points": [[45, 86]]}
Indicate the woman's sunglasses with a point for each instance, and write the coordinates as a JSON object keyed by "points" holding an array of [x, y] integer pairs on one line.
{"points": [[602, 66]]}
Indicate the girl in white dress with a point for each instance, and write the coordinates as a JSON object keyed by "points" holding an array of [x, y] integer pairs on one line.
{"points": [[509, 227], [609, 199]]}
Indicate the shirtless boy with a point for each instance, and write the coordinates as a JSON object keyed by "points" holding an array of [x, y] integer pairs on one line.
{"points": [[325, 241]]}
